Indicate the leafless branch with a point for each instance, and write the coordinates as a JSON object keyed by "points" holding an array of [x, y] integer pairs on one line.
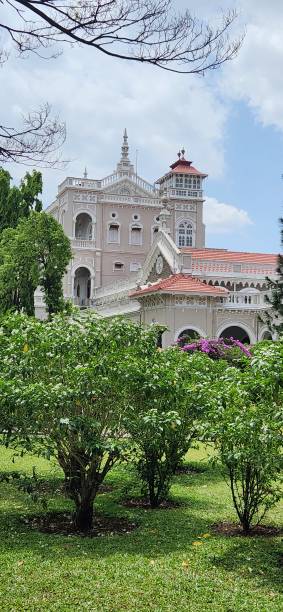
{"points": [[36, 142], [147, 31], [135, 30]]}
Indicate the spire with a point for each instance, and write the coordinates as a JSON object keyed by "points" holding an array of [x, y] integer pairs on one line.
{"points": [[125, 147], [124, 166], [85, 173]]}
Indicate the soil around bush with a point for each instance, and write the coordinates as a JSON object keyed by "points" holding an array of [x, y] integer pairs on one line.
{"points": [[232, 529], [189, 469], [143, 502], [61, 523]]}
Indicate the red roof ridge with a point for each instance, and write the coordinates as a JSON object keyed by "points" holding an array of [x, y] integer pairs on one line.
{"points": [[180, 282]]}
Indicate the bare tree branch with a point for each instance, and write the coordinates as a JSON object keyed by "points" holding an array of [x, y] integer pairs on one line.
{"points": [[147, 31], [135, 30], [36, 142]]}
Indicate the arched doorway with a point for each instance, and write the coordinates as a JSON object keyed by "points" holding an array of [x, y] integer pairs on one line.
{"points": [[187, 336], [83, 227], [266, 335], [82, 287], [236, 332]]}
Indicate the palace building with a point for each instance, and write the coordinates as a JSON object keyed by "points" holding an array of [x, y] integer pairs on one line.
{"points": [[139, 251]]}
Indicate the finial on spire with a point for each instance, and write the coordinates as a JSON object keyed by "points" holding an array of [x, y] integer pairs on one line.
{"points": [[85, 173], [125, 147], [183, 153], [179, 154]]}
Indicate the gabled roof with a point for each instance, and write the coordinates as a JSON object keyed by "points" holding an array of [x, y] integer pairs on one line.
{"points": [[180, 283]]}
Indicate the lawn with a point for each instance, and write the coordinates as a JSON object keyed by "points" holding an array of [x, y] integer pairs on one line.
{"points": [[173, 561]]}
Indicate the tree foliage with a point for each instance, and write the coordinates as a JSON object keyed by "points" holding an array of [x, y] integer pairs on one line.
{"points": [[245, 421], [34, 254], [275, 318], [62, 395], [18, 202], [168, 392]]}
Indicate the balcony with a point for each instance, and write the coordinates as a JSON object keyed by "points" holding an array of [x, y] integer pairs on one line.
{"points": [[81, 243], [79, 183], [250, 300], [185, 194]]}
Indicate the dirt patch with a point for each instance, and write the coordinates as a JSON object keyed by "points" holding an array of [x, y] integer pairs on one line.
{"points": [[189, 469], [142, 502], [231, 529], [61, 523]]}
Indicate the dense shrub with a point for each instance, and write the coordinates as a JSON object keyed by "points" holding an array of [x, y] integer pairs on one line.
{"points": [[62, 395], [168, 393], [245, 421]]}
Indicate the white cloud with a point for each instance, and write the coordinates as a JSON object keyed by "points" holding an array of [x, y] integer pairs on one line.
{"points": [[256, 75], [221, 218], [98, 97]]}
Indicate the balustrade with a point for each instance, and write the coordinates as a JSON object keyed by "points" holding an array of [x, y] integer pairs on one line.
{"points": [[237, 299], [80, 243]]}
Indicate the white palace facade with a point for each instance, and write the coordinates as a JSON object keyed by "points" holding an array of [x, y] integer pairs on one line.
{"points": [[139, 251]]}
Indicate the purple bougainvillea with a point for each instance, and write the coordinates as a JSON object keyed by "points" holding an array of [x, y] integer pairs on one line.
{"points": [[218, 348]]}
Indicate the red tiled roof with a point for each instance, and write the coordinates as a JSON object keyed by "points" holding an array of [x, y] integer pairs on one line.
{"points": [[182, 166], [184, 169], [223, 256], [180, 283]]}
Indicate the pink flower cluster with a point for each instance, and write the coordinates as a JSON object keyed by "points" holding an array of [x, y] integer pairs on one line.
{"points": [[216, 348]]}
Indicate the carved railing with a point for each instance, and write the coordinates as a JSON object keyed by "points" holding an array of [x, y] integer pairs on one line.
{"points": [[131, 199], [79, 183], [237, 299], [81, 243]]}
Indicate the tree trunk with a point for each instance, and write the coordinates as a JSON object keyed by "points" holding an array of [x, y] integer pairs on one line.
{"points": [[83, 517]]}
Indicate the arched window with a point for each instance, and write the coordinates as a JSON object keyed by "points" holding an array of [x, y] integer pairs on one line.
{"points": [[136, 235], [83, 227], [113, 232], [185, 234]]}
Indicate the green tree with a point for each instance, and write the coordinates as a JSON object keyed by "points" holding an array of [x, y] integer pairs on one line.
{"points": [[63, 395], [275, 318], [53, 253], [246, 423], [168, 392], [34, 254], [18, 202]]}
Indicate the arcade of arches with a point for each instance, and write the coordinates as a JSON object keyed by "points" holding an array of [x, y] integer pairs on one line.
{"points": [[233, 331]]}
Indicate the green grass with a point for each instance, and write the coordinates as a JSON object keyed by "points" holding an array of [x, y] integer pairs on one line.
{"points": [[155, 568]]}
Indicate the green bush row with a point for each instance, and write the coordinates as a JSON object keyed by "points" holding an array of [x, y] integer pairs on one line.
{"points": [[91, 392]]}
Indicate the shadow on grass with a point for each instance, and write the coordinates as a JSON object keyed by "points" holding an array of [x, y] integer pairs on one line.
{"points": [[159, 533], [254, 557]]}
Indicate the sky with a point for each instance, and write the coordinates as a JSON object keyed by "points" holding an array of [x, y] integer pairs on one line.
{"points": [[229, 121]]}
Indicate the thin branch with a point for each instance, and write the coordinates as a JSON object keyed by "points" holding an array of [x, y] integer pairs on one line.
{"points": [[145, 31], [36, 141]]}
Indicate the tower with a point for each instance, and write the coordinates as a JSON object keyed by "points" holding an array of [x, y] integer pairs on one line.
{"points": [[183, 187]]}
